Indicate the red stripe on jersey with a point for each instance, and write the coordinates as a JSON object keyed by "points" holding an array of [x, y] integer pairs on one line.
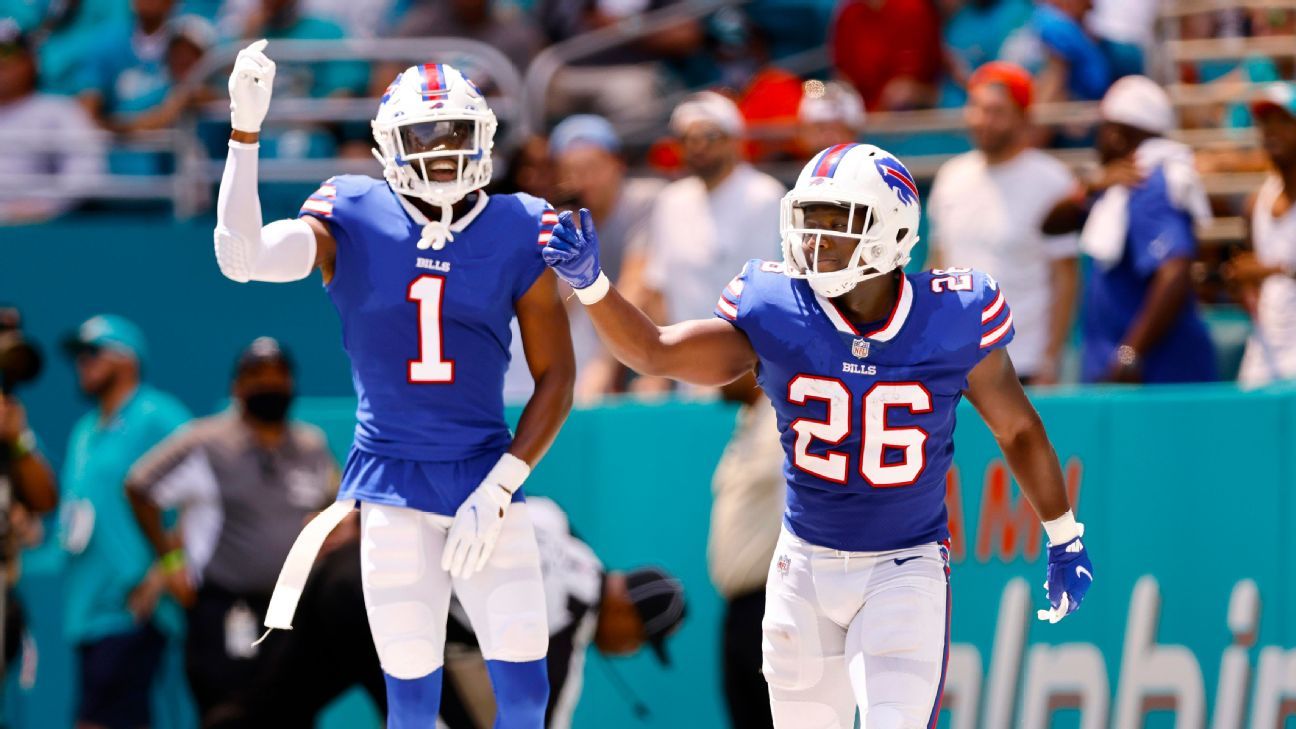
{"points": [[998, 333], [727, 309], [318, 206], [992, 309]]}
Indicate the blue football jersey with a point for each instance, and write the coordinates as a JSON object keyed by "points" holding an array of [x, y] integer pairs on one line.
{"points": [[866, 415], [427, 331]]}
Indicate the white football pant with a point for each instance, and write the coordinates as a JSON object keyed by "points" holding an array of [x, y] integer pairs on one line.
{"points": [[407, 594], [847, 629]]}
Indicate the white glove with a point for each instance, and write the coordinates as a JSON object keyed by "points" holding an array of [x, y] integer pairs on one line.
{"points": [[479, 520], [250, 85]]}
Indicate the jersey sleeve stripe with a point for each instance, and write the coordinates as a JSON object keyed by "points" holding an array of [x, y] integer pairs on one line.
{"points": [[726, 309], [992, 337], [992, 309], [548, 221], [313, 205]]}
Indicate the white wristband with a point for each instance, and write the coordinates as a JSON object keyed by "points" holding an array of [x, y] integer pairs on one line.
{"points": [[509, 472], [1063, 529], [595, 292]]}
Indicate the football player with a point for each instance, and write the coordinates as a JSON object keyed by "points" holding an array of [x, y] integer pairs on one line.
{"points": [[426, 272], [865, 366]]}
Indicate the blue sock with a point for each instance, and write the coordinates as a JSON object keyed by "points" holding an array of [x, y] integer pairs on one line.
{"points": [[521, 693], [413, 703]]}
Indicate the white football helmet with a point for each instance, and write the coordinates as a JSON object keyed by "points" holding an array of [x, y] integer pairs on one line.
{"points": [[868, 182], [433, 120]]}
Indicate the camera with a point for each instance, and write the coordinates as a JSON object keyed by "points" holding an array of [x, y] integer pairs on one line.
{"points": [[20, 359]]}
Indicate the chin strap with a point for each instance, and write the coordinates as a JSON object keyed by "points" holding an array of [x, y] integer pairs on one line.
{"points": [[437, 232]]}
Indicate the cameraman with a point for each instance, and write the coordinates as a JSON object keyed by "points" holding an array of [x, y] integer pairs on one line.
{"points": [[30, 475], [31, 489]]}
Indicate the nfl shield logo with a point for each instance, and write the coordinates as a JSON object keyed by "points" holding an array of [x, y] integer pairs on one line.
{"points": [[860, 348], [783, 565]]}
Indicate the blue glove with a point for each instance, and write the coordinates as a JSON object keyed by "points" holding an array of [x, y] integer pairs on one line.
{"points": [[573, 252], [1070, 573]]}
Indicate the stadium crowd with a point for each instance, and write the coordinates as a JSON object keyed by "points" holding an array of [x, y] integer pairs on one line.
{"points": [[1118, 241]]}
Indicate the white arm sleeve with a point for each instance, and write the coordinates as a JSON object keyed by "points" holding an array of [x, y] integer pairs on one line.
{"points": [[245, 251]]}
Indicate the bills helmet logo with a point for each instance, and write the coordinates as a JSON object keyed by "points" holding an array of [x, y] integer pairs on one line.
{"points": [[898, 179], [860, 348]]}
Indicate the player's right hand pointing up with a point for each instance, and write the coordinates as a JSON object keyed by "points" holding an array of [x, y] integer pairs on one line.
{"points": [[250, 86], [572, 252]]}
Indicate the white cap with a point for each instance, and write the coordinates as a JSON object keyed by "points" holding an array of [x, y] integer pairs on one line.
{"points": [[1139, 102], [708, 106], [831, 102]]}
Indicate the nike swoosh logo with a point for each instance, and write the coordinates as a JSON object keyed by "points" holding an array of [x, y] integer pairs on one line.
{"points": [[473, 509], [906, 559], [1082, 572]]}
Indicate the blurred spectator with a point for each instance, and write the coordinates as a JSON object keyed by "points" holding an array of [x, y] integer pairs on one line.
{"points": [[1271, 265], [62, 34], [767, 95], [286, 20], [127, 66], [830, 113], [119, 633], [621, 82], [489, 21], [890, 50], [986, 208], [1068, 62], [974, 32], [368, 19], [1126, 29], [591, 174], [529, 169], [1140, 320], [191, 38], [40, 134], [705, 227], [618, 612], [244, 482], [749, 495]]}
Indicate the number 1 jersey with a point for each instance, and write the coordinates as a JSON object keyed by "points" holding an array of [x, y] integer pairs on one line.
{"points": [[866, 415], [427, 331]]}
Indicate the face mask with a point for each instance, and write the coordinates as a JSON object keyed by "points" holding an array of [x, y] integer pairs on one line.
{"points": [[270, 406]]}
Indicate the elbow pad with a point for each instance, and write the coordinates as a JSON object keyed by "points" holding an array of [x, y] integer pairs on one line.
{"points": [[245, 251], [284, 251]]}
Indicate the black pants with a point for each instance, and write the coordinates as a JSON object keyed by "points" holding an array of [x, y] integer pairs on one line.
{"points": [[326, 653], [746, 693], [214, 675], [116, 674]]}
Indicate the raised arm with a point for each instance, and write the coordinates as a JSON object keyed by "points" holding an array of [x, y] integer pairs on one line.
{"points": [[996, 393], [285, 250], [700, 352]]}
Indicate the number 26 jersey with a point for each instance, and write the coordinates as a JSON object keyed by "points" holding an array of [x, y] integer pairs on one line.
{"points": [[866, 414]]}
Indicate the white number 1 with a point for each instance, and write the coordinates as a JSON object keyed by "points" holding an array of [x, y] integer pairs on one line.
{"points": [[428, 291]]}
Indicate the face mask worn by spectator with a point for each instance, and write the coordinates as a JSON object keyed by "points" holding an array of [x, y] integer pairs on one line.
{"points": [[269, 406], [435, 133]]}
